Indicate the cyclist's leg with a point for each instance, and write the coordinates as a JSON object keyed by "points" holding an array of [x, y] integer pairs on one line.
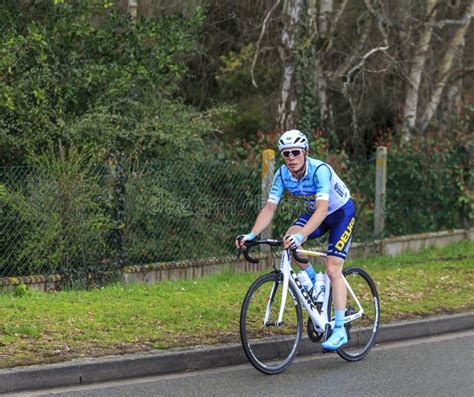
{"points": [[334, 267], [341, 223], [339, 294]]}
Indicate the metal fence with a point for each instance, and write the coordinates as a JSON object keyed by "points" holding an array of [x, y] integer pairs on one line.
{"points": [[62, 220], [73, 219]]}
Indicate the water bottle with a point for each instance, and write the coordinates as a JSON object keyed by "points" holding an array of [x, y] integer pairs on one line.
{"points": [[319, 288], [305, 280]]}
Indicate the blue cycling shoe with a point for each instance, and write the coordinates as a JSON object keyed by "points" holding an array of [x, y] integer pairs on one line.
{"points": [[336, 340]]}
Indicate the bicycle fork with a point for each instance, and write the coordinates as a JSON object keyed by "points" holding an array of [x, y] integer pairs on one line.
{"points": [[285, 271]]}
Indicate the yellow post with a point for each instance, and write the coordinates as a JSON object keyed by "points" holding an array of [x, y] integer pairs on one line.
{"points": [[268, 163]]}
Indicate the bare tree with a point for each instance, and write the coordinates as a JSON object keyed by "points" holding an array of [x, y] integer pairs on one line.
{"points": [[326, 26], [340, 76], [444, 68], [373, 65], [262, 33], [417, 68], [288, 101], [132, 8]]}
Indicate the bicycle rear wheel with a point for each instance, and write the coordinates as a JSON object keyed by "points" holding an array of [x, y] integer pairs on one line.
{"points": [[362, 332], [269, 346]]}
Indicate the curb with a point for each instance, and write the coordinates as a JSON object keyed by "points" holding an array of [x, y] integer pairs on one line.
{"points": [[162, 362]]}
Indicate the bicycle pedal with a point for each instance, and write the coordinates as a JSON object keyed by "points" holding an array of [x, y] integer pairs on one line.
{"points": [[326, 351]]}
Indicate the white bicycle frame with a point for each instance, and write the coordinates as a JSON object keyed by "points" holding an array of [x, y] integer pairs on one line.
{"points": [[320, 319]]}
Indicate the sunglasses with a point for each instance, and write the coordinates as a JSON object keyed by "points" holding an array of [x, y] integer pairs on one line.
{"points": [[294, 153]]}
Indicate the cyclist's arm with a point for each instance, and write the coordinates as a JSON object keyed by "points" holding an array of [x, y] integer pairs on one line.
{"points": [[264, 218]]}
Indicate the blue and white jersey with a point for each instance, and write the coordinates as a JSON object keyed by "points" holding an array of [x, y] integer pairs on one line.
{"points": [[320, 182]]}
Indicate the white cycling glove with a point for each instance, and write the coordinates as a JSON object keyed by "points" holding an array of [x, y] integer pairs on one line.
{"points": [[295, 239]]}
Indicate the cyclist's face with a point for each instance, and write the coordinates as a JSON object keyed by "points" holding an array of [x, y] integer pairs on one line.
{"points": [[294, 158]]}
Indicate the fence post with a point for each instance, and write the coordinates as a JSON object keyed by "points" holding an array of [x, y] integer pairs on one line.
{"points": [[468, 183], [380, 191], [268, 171]]}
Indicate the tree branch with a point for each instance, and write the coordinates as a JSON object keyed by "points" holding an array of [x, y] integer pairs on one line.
{"points": [[335, 22], [459, 74], [342, 69], [257, 50], [463, 21], [339, 14], [360, 64], [379, 18]]}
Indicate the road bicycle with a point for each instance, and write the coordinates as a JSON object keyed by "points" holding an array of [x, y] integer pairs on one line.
{"points": [[271, 324]]}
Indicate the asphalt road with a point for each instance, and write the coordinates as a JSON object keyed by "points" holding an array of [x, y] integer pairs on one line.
{"points": [[435, 366]]}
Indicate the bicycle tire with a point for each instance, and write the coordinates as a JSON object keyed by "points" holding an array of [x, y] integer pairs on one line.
{"points": [[270, 347], [362, 332]]}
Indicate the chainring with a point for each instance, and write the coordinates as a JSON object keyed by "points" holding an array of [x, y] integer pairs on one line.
{"points": [[312, 334]]}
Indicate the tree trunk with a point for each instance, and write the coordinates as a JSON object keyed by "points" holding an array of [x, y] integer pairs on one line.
{"points": [[325, 112], [324, 17], [453, 103], [444, 69], [288, 100], [324, 26], [416, 71], [132, 9]]}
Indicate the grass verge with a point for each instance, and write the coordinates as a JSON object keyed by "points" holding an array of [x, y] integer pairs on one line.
{"points": [[44, 328]]}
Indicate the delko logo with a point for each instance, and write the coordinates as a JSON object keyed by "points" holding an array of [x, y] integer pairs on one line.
{"points": [[345, 236]]}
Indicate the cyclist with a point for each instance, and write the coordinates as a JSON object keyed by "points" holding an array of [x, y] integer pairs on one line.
{"points": [[329, 208]]}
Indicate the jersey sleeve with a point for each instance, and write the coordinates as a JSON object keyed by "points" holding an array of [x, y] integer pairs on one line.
{"points": [[276, 192], [322, 179]]}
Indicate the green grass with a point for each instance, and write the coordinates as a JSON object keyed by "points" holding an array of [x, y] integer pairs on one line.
{"points": [[40, 327]]}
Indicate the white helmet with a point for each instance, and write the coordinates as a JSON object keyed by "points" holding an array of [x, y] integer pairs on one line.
{"points": [[293, 138]]}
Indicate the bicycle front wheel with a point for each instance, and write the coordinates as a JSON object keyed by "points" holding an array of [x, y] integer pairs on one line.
{"points": [[269, 346], [362, 332]]}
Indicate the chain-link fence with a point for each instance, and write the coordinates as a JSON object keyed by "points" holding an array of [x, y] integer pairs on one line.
{"points": [[77, 220], [54, 220], [177, 210], [101, 218]]}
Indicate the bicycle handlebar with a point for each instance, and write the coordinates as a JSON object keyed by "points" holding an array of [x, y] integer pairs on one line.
{"points": [[273, 243]]}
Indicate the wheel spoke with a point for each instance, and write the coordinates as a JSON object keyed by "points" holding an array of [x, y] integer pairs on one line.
{"points": [[270, 346], [363, 330]]}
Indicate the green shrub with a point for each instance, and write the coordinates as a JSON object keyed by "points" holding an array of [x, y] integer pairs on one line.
{"points": [[156, 130], [426, 188], [64, 213], [180, 210], [62, 62]]}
